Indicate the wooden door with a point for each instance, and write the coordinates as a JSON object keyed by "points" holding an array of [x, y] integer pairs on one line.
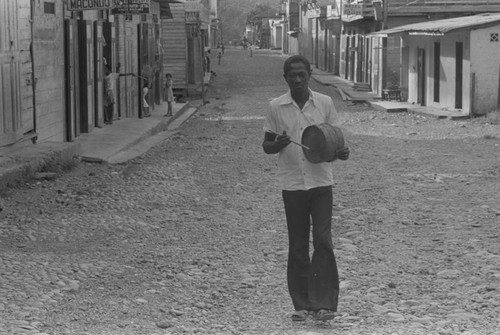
{"points": [[144, 68], [421, 87], [11, 127], [367, 70], [343, 58], [405, 75], [98, 74], [72, 123], [279, 37], [155, 42], [359, 58], [351, 65], [315, 42], [459, 74], [347, 60], [132, 93], [152, 63], [377, 64], [331, 52], [323, 46], [109, 56], [86, 75]]}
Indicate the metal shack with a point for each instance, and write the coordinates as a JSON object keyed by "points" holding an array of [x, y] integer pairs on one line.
{"points": [[185, 35], [174, 45]]}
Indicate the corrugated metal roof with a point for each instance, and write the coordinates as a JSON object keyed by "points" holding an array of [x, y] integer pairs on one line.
{"points": [[441, 27]]}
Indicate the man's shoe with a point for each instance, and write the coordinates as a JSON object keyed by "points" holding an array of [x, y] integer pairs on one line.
{"points": [[300, 315], [324, 315]]}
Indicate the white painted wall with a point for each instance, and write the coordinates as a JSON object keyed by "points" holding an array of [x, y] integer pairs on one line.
{"points": [[447, 71], [485, 65]]}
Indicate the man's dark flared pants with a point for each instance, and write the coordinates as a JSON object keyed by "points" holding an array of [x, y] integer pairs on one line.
{"points": [[313, 282]]}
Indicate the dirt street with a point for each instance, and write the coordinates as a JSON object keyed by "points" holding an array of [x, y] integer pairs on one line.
{"points": [[191, 237]]}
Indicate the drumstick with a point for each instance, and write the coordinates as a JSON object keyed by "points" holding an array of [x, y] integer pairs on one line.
{"points": [[299, 144]]}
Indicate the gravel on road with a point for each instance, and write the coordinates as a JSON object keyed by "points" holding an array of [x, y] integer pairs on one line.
{"points": [[190, 238]]}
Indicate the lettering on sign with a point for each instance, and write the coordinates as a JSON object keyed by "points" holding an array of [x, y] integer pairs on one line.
{"points": [[117, 6], [90, 4], [131, 7], [353, 9]]}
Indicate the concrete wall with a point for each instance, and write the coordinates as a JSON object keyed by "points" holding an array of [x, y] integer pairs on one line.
{"points": [[485, 67]]}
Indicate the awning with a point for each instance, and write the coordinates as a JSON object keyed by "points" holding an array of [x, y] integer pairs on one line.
{"points": [[441, 27]]}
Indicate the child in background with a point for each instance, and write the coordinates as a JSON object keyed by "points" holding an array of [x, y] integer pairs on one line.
{"points": [[169, 93], [145, 93]]}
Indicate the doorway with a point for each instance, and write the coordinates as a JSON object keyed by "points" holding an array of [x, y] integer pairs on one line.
{"points": [[72, 124], [459, 61], [86, 75], [421, 87]]}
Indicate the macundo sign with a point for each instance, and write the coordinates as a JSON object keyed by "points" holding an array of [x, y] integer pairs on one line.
{"points": [[90, 4]]}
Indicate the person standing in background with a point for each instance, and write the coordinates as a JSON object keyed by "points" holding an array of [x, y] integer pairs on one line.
{"points": [[145, 97], [169, 93], [109, 94]]}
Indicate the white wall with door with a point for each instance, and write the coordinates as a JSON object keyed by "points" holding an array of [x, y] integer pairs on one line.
{"points": [[450, 73], [485, 69]]}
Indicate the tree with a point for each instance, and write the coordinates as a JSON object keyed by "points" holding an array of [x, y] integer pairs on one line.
{"points": [[258, 20], [234, 15]]}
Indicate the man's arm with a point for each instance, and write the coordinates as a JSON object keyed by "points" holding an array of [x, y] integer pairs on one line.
{"points": [[274, 143]]}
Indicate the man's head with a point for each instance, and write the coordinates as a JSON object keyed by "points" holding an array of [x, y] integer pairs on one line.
{"points": [[297, 72]]}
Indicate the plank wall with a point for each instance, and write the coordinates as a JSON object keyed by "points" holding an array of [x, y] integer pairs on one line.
{"points": [[48, 46]]}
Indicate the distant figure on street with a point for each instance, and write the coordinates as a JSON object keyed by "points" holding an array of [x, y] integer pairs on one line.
{"points": [[145, 96], [207, 61], [169, 93], [307, 192], [109, 94], [251, 50], [219, 56]]}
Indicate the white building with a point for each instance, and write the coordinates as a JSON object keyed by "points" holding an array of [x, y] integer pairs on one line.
{"points": [[452, 64]]}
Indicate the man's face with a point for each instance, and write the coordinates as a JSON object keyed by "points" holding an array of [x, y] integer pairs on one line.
{"points": [[298, 77]]}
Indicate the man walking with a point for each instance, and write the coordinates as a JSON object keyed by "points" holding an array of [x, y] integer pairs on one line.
{"points": [[307, 192]]}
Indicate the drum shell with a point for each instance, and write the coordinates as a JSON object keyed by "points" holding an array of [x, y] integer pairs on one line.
{"points": [[323, 141]]}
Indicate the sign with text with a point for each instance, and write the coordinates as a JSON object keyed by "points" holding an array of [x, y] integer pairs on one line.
{"points": [[116, 6], [128, 7], [353, 9], [90, 4]]}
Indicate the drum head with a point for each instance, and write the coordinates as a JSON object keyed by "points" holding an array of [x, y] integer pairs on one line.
{"points": [[323, 141]]}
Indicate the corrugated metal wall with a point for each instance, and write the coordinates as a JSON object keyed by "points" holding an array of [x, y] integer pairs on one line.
{"points": [[174, 44]]}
